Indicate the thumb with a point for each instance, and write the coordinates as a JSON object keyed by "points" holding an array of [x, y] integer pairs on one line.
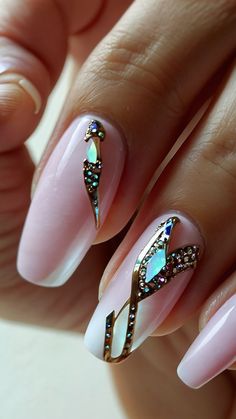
{"points": [[33, 47]]}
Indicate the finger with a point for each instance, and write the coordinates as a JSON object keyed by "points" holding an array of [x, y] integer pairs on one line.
{"points": [[67, 308], [154, 367], [214, 349], [105, 15], [29, 61], [199, 182], [219, 297], [16, 170], [143, 71], [29, 67]]}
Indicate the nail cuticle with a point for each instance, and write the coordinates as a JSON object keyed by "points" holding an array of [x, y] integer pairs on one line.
{"points": [[190, 217]]}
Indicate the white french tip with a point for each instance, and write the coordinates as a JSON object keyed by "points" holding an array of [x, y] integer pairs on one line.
{"points": [[26, 85]]}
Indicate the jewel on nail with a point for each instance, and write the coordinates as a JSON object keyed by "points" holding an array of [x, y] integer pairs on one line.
{"points": [[92, 166], [155, 267]]}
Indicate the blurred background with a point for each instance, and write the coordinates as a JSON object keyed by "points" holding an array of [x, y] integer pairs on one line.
{"points": [[47, 374]]}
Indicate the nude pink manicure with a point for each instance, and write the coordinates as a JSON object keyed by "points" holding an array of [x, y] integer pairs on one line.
{"points": [[131, 308], [60, 226], [214, 349]]}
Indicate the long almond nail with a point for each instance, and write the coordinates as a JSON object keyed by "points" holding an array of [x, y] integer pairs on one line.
{"points": [[214, 349], [145, 287], [71, 201]]}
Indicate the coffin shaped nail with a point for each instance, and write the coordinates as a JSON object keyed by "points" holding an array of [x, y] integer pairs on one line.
{"points": [[145, 287], [71, 201]]}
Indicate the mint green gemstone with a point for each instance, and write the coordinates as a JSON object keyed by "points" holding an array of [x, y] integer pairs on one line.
{"points": [[92, 152], [156, 263]]}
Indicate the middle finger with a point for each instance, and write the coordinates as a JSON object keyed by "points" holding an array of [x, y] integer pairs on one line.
{"points": [[145, 79], [200, 182]]}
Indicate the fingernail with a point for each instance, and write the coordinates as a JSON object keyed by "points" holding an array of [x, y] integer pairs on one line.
{"points": [[71, 201], [214, 349], [25, 84], [145, 288]]}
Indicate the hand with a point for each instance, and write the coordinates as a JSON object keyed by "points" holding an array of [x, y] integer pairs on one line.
{"points": [[147, 77]]}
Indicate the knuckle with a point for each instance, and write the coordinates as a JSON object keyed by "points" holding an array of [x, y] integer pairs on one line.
{"points": [[219, 148], [226, 10], [137, 68]]}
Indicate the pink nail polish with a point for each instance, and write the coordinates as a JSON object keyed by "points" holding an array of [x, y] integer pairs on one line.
{"points": [[145, 287], [214, 349], [71, 201]]}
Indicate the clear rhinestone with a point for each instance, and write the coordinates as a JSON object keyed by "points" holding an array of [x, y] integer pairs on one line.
{"points": [[155, 265]]}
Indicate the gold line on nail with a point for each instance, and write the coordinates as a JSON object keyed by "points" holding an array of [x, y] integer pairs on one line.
{"points": [[92, 166], [154, 268]]}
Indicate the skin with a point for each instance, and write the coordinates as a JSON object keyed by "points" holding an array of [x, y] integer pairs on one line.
{"points": [[160, 79]]}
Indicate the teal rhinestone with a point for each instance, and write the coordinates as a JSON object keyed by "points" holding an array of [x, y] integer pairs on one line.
{"points": [[101, 135], [92, 152]]}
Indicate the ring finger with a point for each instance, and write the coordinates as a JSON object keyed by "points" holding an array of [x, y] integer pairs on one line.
{"points": [[201, 182]]}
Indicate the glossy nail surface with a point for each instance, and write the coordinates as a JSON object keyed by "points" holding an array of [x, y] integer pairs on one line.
{"points": [[60, 226], [214, 349], [136, 301]]}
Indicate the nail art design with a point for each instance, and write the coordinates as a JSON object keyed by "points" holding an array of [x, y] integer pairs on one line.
{"points": [[154, 268], [60, 227], [92, 166]]}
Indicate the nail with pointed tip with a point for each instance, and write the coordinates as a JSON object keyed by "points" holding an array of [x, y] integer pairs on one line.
{"points": [[61, 224]]}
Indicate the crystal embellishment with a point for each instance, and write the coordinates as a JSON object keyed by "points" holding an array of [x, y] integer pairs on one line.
{"points": [[157, 262], [155, 267], [92, 152], [92, 166]]}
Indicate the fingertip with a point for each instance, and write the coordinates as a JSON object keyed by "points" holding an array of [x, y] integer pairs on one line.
{"points": [[33, 92], [183, 376], [19, 104]]}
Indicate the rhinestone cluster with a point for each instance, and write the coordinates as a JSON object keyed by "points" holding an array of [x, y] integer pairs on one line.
{"points": [[108, 333], [176, 262], [129, 333], [150, 275], [92, 173], [92, 165]]}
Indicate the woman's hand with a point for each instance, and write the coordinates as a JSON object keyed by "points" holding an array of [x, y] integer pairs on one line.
{"points": [[142, 84]]}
